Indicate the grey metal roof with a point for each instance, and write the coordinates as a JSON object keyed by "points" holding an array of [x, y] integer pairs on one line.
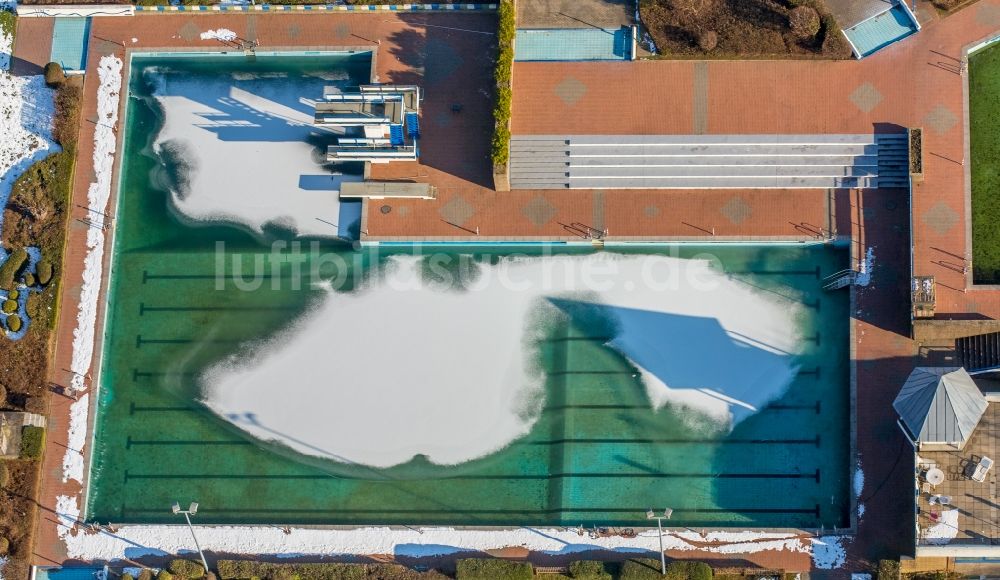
{"points": [[940, 405]]}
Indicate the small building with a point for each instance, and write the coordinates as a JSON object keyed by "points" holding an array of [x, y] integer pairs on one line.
{"points": [[939, 408], [953, 422]]}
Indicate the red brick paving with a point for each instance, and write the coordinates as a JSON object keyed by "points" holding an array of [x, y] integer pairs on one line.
{"points": [[911, 82]]}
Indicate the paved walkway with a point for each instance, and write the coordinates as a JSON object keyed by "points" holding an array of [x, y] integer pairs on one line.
{"points": [[913, 83]]}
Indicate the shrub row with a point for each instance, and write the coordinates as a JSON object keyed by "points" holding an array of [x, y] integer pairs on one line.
{"points": [[249, 569], [188, 569], [500, 151], [643, 568], [32, 440], [11, 267], [493, 569]]}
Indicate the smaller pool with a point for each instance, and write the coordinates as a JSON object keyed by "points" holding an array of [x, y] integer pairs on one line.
{"points": [[573, 44], [69, 43], [880, 31]]}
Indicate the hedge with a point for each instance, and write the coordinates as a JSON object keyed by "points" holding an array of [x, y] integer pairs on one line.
{"points": [[689, 570], [44, 272], [187, 569], [493, 569], [32, 442], [500, 151], [9, 306], [641, 569], [589, 570], [250, 569], [11, 266], [14, 323]]}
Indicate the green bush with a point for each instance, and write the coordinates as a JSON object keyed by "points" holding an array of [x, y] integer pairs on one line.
{"points": [[13, 295], [11, 266], [54, 75], [29, 279], [4, 475], [8, 22], [145, 574], [4, 546], [887, 570], [589, 570], [44, 272], [14, 323], [164, 575], [689, 570], [32, 442], [9, 306], [493, 569], [127, 576], [500, 147], [641, 569], [187, 569]]}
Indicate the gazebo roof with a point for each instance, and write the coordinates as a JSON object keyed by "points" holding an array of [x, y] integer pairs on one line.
{"points": [[940, 405]]}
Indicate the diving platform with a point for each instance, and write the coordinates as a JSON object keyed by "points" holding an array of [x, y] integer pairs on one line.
{"points": [[388, 189], [380, 122]]}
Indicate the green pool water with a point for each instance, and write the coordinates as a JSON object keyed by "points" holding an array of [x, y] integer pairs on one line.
{"points": [[598, 454]]}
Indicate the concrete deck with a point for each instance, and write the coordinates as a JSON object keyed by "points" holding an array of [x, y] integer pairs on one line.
{"points": [[977, 503]]}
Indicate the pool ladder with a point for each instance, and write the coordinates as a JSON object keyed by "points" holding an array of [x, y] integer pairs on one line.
{"points": [[841, 279]]}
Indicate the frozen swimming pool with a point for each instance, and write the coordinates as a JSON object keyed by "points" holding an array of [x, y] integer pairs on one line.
{"points": [[477, 386]]}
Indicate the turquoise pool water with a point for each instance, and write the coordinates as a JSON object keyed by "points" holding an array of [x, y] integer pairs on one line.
{"points": [[599, 454]]}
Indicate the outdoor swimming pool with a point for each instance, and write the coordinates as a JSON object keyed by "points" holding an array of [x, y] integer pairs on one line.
{"points": [[512, 385]]}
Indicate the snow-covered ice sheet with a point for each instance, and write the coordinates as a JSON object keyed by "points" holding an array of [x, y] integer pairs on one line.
{"points": [[455, 376], [243, 149]]}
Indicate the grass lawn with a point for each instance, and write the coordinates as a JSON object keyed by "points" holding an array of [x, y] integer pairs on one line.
{"points": [[984, 122]]}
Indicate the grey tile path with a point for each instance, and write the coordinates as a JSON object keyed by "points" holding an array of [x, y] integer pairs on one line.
{"points": [[700, 107]]}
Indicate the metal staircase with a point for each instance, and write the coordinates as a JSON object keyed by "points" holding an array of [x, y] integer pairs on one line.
{"points": [[841, 279], [979, 353]]}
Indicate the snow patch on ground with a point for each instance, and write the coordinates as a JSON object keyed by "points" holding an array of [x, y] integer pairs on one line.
{"points": [[138, 541], [861, 510], [859, 480], [26, 111], [701, 339], [109, 72], [68, 512], [944, 531], [829, 552], [223, 34], [73, 459], [866, 268]]}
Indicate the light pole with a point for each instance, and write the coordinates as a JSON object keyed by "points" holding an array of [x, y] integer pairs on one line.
{"points": [[651, 515], [192, 509]]}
